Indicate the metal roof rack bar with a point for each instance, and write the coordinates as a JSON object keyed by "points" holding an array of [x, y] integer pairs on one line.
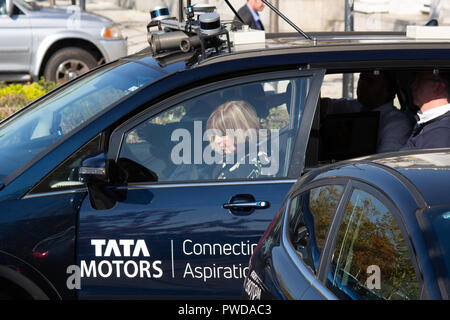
{"points": [[286, 19], [344, 35]]}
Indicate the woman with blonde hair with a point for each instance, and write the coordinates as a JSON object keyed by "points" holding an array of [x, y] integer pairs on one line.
{"points": [[234, 129]]}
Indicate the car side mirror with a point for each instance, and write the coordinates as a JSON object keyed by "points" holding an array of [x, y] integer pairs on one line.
{"points": [[9, 7], [94, 171]]}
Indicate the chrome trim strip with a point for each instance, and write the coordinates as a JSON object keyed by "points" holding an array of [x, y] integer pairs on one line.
{"points": [[204, 184], [15, 49], [54, 193], [167, 185], [286, 245]]}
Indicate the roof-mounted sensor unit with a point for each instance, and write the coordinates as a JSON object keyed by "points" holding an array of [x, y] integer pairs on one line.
{"points": [[159, 13]]}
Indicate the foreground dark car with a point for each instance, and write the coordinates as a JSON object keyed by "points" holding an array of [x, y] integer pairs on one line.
{"points": [[109, 187], [376, 228]]}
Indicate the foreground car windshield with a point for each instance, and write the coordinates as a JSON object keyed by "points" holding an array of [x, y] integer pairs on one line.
{"points": [[35, 129]]}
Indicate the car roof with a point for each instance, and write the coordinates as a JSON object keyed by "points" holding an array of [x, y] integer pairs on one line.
{"points": [[323, 42], [328, 56], [427, 170], [335, 48]]}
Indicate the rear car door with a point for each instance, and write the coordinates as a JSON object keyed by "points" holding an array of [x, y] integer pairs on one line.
{"points": [[371, 257], [345, 241], [15, 42], [295, 263], [185, 221]]}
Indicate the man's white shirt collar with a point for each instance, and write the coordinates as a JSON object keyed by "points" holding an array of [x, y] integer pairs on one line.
{"points": [[432, 113]]}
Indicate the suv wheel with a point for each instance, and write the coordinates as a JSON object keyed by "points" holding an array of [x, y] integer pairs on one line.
{"points": [[68, 63]]}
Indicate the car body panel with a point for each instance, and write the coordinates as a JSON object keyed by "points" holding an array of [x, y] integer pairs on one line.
{"points": [[47, 245], [48, 37], [425, 170], [50, 25], [291, 289], [36, 31], [174, 232], [16, 55], [397, 186]]}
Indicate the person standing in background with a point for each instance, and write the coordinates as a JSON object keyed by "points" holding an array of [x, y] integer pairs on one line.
{"points": [[249, 13], [439, 10]]}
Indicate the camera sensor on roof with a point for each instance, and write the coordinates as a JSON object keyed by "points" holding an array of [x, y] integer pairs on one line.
{"points": [[190, 40], [159, 13], [210, 23], [199, 9]]}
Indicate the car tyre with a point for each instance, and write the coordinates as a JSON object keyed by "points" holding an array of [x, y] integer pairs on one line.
{"points": [[68, 63]]}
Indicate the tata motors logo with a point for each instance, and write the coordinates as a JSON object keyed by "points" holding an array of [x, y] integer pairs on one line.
{"points": [[123, 258]]}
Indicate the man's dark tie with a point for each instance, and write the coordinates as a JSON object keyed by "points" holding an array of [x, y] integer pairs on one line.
{"points": [[417, 128], [259, 25]]}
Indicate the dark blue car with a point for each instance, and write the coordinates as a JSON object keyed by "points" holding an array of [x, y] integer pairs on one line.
{"points": [[377, 228], [109, 187]]}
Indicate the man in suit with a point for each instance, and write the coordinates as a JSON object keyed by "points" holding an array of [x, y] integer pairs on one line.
{"points": [[249, 13], [376, 92], [431, 93]]}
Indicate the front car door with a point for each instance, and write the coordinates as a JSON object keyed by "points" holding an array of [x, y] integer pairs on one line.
{"points": [[188, 215], [15, 42]]}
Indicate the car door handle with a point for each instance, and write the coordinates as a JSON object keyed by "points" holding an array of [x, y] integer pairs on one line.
{"points": [[247, 205]]}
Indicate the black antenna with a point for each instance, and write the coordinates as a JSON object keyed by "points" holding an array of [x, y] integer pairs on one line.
{"points": [[180, 10], [234, 11], [286, 19]]}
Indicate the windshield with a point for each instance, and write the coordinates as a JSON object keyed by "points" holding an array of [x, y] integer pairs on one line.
{"points": [[35, 129], [437, 231]]}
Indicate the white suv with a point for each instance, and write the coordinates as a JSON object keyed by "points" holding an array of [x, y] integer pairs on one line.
{"points": [[57, 43]]}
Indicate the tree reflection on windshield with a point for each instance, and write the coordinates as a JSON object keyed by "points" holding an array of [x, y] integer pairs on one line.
{"points": [[43, 123]]}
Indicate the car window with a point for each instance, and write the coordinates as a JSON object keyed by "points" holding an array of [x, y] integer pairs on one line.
{"points": [[47, 121], [65, 176], [310, 217], [371, 258], [240, 132], [358, 121]]}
